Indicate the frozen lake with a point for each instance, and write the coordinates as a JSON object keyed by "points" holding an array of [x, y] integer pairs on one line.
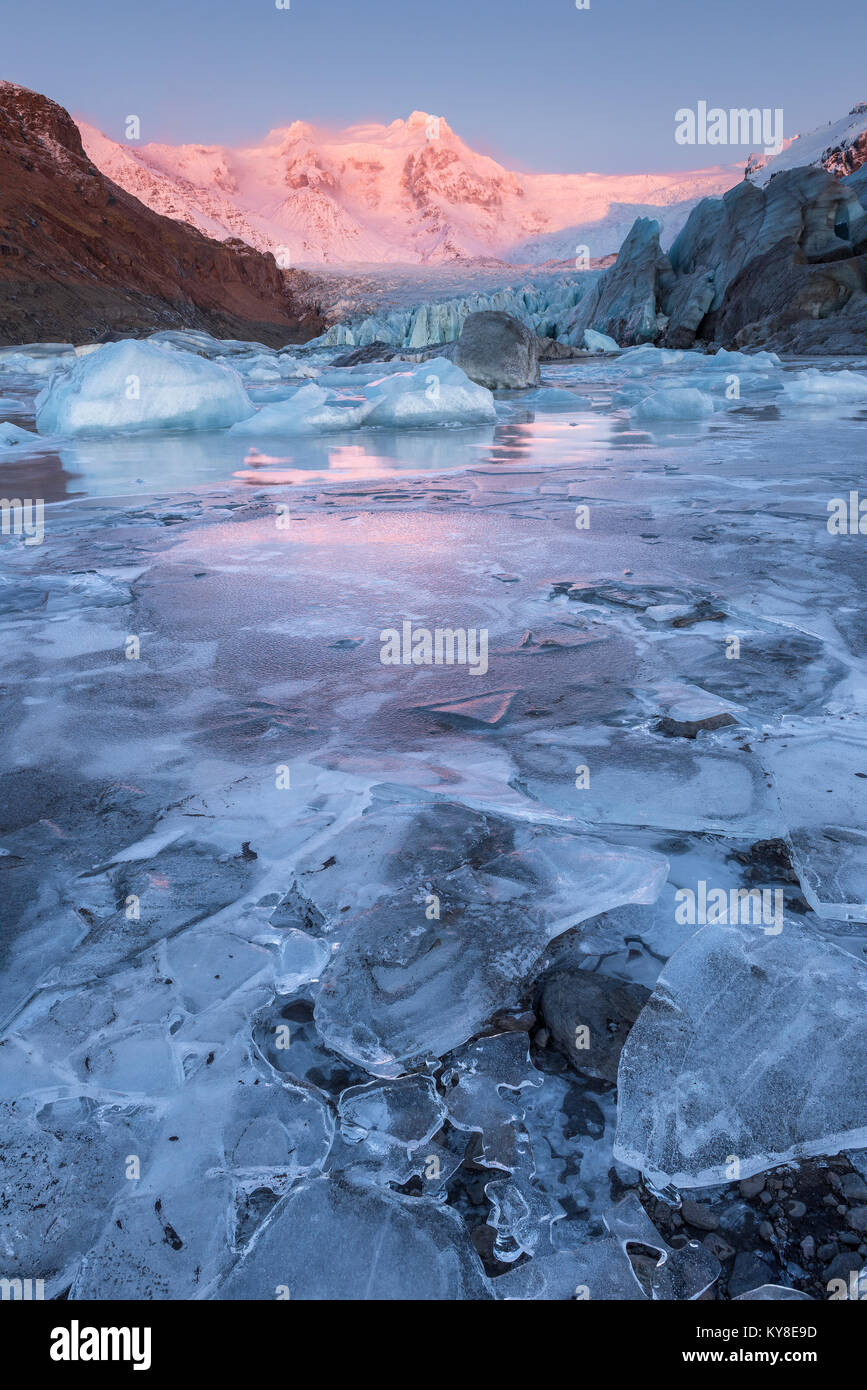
{"points": [[227, 822]]}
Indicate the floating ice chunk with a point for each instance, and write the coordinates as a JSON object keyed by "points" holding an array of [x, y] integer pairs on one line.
{"points": [[826, 389], [10, 403], [434, 393], [302, 960], [599, 342], [552, 398], [13, 435], [819, 779], [332, 1239], [141, 386], [741, 362], [715, 1067], [674, 403], [171, 1244], [311, 410]]}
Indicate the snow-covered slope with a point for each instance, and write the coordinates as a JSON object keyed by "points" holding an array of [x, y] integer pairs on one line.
{"points": [[411, 191], [840, 147]]}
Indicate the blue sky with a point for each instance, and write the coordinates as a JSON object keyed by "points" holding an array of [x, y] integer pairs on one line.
{"points": [[536, 83]]}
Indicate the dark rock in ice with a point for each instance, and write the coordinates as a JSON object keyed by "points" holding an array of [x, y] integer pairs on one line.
{"points": [[589, 1016], [497, 351]]}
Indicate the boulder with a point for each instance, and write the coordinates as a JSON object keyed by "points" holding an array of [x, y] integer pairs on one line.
{"points": [[589, 1016], [497, 351], [371, 352]]}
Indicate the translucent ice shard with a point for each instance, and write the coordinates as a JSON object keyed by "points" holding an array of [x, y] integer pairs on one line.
{"points": [[521, 1215], [772, 1293], [599, 1270], [821, 780], [391, 1118], [332, 1239], [683, 1274], [750, 1052], [483, 1089], [302, 958]]}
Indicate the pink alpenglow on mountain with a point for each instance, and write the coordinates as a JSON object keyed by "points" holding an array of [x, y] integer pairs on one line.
{"points": [[411, 191]]}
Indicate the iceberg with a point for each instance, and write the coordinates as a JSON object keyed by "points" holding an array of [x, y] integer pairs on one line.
{"points": [[674, 403], [826, 389], [311, 410], [141, 386], [12, 435], [434, 393], [599, 342]]}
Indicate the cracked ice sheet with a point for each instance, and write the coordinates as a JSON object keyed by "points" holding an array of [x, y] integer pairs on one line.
{"points": [[332, 1239], [422, 968], [752, 1047]]}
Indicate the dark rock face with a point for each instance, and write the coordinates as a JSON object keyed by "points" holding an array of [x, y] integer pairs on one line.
{"points": [[626, 302], [497, 351], [79, 257], [780, 267], [371, 352]]}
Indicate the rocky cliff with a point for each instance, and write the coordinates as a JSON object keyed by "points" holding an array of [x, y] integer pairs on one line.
{"points": [[81, 258]]}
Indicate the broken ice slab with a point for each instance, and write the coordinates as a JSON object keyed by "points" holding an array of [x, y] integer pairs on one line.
{"points": [[687, 710], [598, 1270], [680, 1275], [170, 1245], [751, 1052], [422, 970], [772, 1293], [521, 1214], [820, 776], [332, 1239], [391, 1116], [61, 1165], [615, 776], [483, 1084], [302, 960], [236, 1115]]}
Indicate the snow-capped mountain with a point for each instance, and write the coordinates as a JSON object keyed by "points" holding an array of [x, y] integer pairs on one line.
{"points": [[840, 147], [411, 191]]}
